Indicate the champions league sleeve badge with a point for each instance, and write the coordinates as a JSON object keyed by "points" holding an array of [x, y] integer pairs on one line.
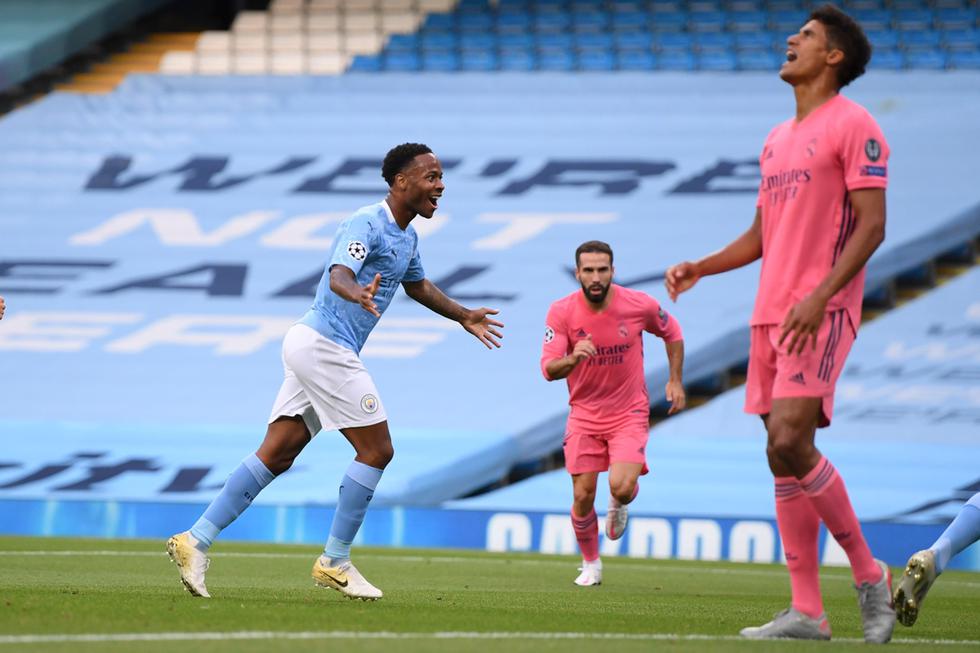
{"points": [[357, 250]]}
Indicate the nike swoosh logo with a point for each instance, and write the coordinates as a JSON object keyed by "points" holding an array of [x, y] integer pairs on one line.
{"points": [[342, 583]]}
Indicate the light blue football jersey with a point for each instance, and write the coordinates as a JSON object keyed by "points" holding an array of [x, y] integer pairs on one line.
{"points": [[368, 242]]}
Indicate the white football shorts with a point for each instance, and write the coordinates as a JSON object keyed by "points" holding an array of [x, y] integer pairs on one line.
{"points": [[325, 383]]}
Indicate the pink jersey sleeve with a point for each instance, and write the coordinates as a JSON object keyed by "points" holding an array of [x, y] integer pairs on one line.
{"points": [[660, 323], [863, 152], [555, 337]]}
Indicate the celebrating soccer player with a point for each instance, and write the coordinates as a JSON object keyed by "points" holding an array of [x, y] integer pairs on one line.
{"points": [[594, 338], [820, 214], [326, 386], [923, 567]]}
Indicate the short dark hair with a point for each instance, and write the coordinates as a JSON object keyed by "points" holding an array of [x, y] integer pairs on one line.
{"points": [[844, 34], [593, 247], [399, 157]]}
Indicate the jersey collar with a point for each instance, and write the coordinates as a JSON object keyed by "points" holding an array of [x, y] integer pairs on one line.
{"points": [[391, 216]]}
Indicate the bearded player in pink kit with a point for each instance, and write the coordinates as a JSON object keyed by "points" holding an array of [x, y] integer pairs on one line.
{"points": [[820, 215], [594, 339]]}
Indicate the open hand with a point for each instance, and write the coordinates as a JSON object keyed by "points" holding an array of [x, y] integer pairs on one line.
{"points": [[680, 277], [484, 328], [366, 298]]}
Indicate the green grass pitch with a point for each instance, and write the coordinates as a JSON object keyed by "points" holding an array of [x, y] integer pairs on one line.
{"points": [[111, 595]]}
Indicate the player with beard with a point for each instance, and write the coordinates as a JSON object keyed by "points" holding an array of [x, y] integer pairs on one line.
{"points": [[594, 339], [820, 214], [326, 385]]}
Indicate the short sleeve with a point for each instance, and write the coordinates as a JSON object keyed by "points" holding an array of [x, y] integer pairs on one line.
{"points": [[863, 152], [661, 323], [415, 272], [555, 338], [354, 241]]}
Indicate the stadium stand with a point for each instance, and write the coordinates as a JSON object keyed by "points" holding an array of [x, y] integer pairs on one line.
{"points": [[334, 36], [37, 34]]}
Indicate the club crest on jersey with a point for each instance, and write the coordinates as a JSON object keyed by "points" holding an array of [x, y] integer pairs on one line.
{"points": [[623, 331], [873, 149], [369, 403], [811, 148], [549, 334], [357, 250]]}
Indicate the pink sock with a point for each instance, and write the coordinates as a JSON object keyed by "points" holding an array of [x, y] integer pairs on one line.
{"points": [[587, 534], [799, 528], [825, 488]]}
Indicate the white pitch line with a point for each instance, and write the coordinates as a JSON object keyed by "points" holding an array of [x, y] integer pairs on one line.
{"points": [[831, 573], [452, 635]]}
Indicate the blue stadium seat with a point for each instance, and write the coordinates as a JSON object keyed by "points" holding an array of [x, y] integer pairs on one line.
{"points": [[887, 39], [630, 21], [674, 22], [907, 5], [744, 5], [584, 6], [478, 60], [405, 62], [680, 60], [926, 59], [403, 42], [673, 42], [518, 60], [961, 40], [522, 41], [590, 41], [914, 19], [758, 60], [965, 60], [476, 22], [439, 41], [556, 60], [667, 6], [880, 19], [627, 7], [950, 19], [552, 23], [748, 21], [717, 61], [924, 40], [440, 61], [363, 63], [704, 5], [707, 21], [863, 5], [596, 60], [550, 6], [514, 5], [636, 60], [556, 41], [508, 21], [789, 21], [473, 6], [478, 41], [887, 60], [762, 40], [714, 41], [592, 21], [952, 4], [633, 40], [444, 22]]}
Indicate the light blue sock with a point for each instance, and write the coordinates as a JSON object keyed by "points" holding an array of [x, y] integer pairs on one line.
{"points": [[964, 531], [242, 486], [356, 491]]}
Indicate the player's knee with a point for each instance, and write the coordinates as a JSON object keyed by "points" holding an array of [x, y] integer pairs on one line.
{"points": [[584, 497], [623, 490], [379, 455], [786, 444]]}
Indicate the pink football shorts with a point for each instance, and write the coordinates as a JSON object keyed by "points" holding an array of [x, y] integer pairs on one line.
{"points": [[775, 374], [594, 452]]}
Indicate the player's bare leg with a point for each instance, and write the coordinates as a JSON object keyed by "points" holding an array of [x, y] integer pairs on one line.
{"points": [[334, 569], [586, 525], [284, 439], [623, 488]]}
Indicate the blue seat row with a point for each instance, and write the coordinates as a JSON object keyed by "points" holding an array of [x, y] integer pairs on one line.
{"points": [[609, 60]]}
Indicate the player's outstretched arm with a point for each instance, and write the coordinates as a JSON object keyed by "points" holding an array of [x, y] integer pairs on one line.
{"points": [[741, 251], [344, 283], [476, 321], [674, 390], [803, 320]]}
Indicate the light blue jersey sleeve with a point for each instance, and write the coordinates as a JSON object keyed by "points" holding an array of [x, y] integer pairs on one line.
{"points": [[355, 239]]}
